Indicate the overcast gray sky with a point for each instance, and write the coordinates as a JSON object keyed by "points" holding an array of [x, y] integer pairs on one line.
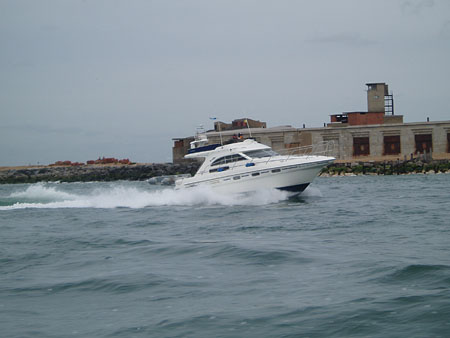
{"points": [[82, 79]]}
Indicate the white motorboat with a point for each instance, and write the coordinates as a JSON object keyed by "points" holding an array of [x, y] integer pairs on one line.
{"points": [[251, 166]]}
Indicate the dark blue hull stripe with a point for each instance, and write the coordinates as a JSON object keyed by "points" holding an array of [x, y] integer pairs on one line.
{"points": [[295, 188]]}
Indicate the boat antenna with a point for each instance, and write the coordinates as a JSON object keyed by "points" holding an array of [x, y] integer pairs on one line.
{"points": [[220, 129], [248, 127]]}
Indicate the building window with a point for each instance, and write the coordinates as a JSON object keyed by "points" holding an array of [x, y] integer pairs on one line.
{"points": [[424, 143], [361, 146], [392, 145], [448, 143]]}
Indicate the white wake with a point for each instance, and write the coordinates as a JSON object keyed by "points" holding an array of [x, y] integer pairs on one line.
{"points": [[43, 195]]}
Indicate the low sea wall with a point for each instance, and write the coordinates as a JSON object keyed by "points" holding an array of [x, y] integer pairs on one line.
{"points": [[387, 168], [87, 173]]}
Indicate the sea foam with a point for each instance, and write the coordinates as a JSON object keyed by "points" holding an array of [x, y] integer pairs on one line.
{"points": [[124, 195]]}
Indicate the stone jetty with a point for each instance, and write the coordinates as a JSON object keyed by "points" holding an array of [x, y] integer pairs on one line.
{"points": [[387, 168], [89, 173]]}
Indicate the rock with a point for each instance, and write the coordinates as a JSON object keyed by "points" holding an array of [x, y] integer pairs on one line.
{"points": [[95, 173]]}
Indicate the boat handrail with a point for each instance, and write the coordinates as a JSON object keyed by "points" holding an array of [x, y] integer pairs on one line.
{"points": [[324, 148]]}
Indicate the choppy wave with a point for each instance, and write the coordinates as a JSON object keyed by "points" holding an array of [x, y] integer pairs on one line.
{"points": [[43, 195], [420, 274]]}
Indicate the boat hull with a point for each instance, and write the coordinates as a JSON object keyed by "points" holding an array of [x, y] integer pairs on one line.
{"points": [[291, 178]]}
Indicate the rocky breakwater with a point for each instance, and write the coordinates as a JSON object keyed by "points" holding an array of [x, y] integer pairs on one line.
{"points": [[387, 168], [89, 173]]}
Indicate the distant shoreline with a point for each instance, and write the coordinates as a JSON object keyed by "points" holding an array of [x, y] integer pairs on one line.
{"points": [[40, 166]]}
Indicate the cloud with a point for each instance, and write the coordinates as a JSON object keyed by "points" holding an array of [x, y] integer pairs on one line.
{"points": [[41, 129], [416, 6], [349, 39], [445, 31]]}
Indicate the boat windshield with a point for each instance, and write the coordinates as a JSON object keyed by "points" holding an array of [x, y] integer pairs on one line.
{"points": [[261, 153]]}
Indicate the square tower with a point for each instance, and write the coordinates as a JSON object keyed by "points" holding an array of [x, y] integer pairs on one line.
{"points": [[376, 93]]}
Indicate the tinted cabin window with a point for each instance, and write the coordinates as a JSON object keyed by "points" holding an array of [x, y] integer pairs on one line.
{"points": [[261, 153], [423, 143], [219, 161], [228, 159], [361, 146], [220, 169], [392, 145]]}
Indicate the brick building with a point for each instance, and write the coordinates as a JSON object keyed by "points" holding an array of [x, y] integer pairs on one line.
{"points": [[373, 135]]}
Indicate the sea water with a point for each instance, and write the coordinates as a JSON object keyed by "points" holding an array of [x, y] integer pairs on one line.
{"points": [[351, 257]]}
